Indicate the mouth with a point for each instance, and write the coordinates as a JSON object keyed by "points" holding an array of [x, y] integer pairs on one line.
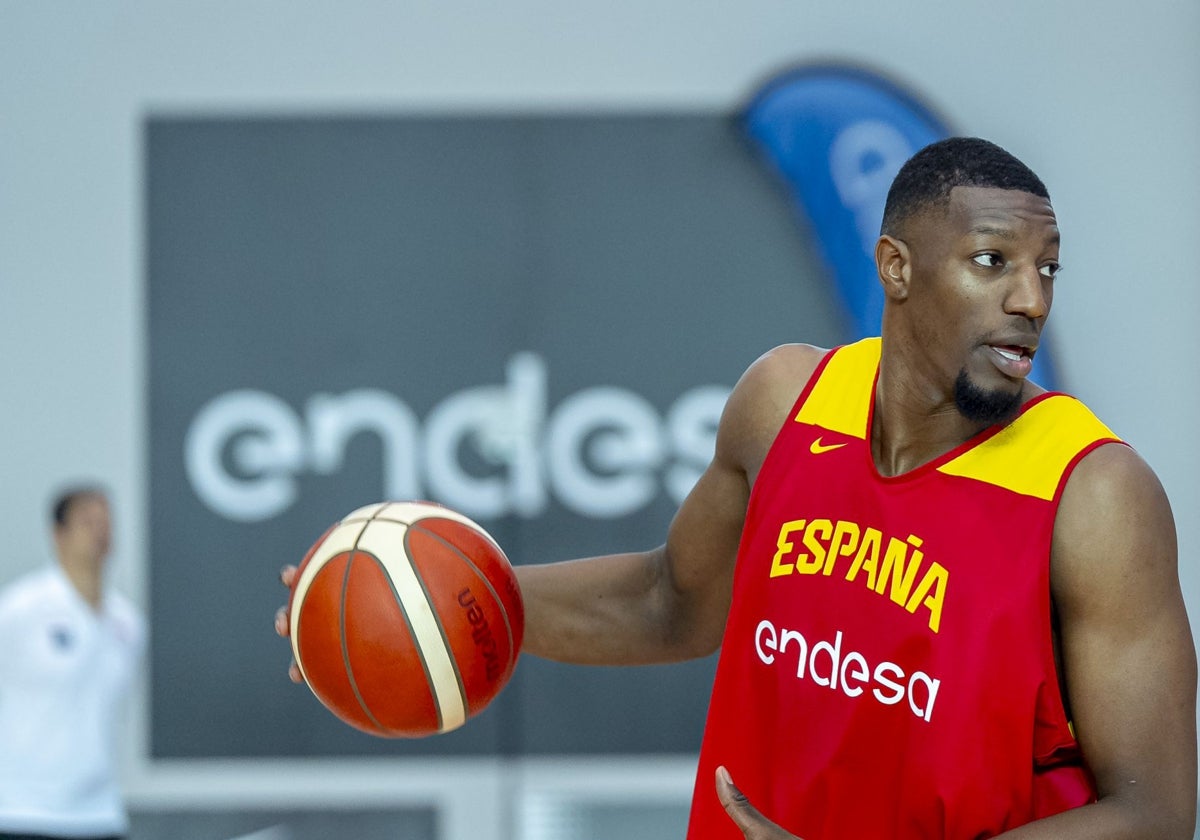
{"points": [[1013, 360]]}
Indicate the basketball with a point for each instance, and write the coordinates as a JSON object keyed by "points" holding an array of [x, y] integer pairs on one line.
{"points": [[406, 619]]}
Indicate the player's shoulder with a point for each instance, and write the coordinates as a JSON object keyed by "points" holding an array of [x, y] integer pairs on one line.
{"points": [[1114, 534], [762, 399], [783, 367], [1112, 476], [775, 379], [1112, 498]]}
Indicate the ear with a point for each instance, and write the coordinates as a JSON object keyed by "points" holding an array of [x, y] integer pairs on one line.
{"points": [[894, 266]]}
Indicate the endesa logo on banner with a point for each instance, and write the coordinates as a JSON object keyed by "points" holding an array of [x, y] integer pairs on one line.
{"points": [[603, 452]]}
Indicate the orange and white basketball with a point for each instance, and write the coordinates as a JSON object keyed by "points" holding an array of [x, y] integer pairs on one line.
{"points": [[406, 619]]}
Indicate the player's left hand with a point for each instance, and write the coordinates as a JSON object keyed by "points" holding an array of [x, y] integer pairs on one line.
{"points": [[287, 576], [752, 823]]}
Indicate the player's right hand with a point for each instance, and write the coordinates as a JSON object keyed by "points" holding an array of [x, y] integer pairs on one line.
{"points": [[287, 576]]}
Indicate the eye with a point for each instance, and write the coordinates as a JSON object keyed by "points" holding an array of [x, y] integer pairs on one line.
{"points": [[1049, 270], [989, 259]]}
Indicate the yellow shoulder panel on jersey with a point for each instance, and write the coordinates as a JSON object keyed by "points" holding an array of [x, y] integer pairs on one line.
{"points": [[1030, 455], [840, 400]]}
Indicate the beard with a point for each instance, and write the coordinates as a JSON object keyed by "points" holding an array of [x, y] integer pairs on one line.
{"points": [[980, 406]]}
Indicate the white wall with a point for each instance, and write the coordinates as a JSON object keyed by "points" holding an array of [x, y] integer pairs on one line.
{"points": [[1101, 97]]}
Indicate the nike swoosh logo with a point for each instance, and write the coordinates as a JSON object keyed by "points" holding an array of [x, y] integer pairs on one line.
{"points": [[817, 447]]}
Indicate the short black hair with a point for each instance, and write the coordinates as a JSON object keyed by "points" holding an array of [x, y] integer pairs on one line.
{"points": [[69, 496], [929, 175]]}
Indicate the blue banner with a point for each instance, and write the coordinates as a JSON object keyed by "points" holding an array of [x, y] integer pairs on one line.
{"points": [[838, 135]]}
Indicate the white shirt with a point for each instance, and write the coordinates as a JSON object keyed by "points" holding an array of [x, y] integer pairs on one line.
{"points": [[65, 670]]}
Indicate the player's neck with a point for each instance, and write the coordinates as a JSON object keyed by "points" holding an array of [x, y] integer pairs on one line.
{"points": [[914, 423]]}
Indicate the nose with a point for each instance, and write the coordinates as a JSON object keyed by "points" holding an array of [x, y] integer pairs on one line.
{"points": [[1030, 293]]}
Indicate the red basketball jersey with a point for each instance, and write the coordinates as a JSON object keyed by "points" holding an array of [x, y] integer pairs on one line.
{"points": [[887, 669]]}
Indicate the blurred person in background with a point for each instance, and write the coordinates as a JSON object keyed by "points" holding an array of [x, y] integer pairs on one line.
{"points": [[70, 647]]}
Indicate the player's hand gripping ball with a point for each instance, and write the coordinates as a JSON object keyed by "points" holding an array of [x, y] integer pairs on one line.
{"points": [[406, 619]]}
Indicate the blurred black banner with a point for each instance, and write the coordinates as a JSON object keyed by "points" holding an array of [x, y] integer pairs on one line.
{"points": [[533, 319]]}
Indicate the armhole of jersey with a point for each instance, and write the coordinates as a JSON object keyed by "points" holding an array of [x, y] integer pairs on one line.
{"points": [[806, 392], [1056, 649], [1079, 456], [1067, 753], [791, 415]]}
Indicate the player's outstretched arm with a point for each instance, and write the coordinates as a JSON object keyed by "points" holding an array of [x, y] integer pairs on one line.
{"points": [[656, 606], [1128, 654], [670, 603]]}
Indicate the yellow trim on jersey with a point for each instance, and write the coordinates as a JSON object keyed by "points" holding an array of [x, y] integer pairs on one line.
{"points": [[1030, 455], [840, 399]]}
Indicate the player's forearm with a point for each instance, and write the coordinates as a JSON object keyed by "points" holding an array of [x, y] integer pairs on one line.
{"points": [[614, 610], [1112, 818]]}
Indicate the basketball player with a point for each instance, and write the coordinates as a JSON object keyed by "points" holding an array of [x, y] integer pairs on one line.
{"points": [[69, 649], [947, 601]]}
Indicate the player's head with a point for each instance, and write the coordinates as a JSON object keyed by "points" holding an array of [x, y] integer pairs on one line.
{"points": [[82, 524], [967, 257], [925, 181]]}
